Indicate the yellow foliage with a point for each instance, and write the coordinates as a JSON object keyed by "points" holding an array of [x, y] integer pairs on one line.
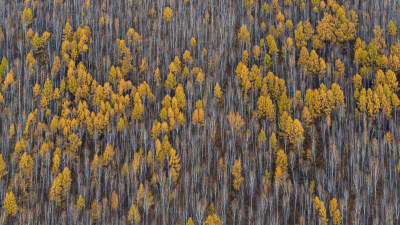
{"points": [[114, 201], [10, 204], [214, 219], [9, 79], [80, 203], [244, 35], [168, 14], [174, 161], [235, 121], [319, 206], [198, 117], [190, 221], [137, 112], [3, 167], [236, 172], [217, 91], [340, 70], [392, 28], [245, 57], [108, 155], [200, 77], [171, 81], [193, 42], [186, 57], [261, 137], [27, 16], [134, 215], [265, 108], [160, 155]]}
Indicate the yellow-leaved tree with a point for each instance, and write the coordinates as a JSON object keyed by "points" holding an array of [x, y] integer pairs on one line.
{"points": [[137, 112], [134, 215], [281, 170], [108, 155], [237, 173], [174, 164], [392, 28], [3, 167], [168, 14], [212, 219], [171, 81], [190, 221], [320, 207], [244, 35], [10, 204], [114, 200], [61, 186], [198, 114], [334, 212], [217, 92], [80, 203], [265, 108], [27, 17]]}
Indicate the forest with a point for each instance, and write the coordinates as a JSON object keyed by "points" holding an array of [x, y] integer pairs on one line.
{"points": [[199, 112]]}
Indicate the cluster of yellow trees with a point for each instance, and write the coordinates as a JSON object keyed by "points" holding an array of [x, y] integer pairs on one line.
{"points": [[217, 122]]}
